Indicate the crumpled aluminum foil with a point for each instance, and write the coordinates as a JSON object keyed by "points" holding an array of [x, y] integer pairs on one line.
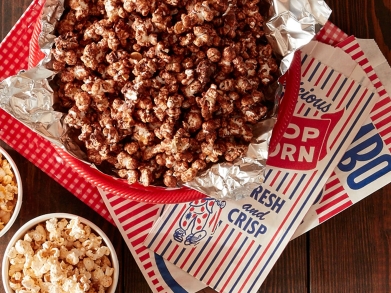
{"points": [[30, 99], [293, 24]]}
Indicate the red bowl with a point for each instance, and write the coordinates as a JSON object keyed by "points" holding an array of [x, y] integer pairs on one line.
{"points": [[162, 195]]}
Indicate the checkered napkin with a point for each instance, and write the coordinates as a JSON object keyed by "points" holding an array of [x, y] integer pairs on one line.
{"points": [[14, 49], [14, 56]]}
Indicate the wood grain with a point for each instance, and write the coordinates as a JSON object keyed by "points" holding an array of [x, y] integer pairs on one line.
{"points": [[10, 13], [365, 19], [349, 253]]}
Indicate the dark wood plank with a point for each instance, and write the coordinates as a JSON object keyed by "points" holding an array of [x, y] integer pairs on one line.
{"points": [[10, 13], [289, 274], [364, 19], [350, 253]]}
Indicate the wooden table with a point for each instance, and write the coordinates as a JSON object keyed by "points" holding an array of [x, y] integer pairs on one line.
{"points": [[349, 253]]}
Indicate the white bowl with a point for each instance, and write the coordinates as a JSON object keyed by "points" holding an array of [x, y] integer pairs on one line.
{"points": [[19, 195], [42, 219]]}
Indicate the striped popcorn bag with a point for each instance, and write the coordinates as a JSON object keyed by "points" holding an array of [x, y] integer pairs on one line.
{"points": [[323, 140], [365, 166]]}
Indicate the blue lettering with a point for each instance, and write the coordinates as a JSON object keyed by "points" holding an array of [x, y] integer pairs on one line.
{"points": [[278, 205], [264, 196], [271, 200], [248, 224], [239, 220], [365, 151], [261, 230], [253, 227], [310, 99], [257, 191], [368, 151], [255, 212], [319, 104], [352, 178], [231, 213], [268, 199]]}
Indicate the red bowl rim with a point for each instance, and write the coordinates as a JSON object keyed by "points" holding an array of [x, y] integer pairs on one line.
{"points": [[136, 191]]}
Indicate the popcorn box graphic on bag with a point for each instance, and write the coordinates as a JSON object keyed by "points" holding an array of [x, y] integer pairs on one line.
{"points": [[232, 245]]}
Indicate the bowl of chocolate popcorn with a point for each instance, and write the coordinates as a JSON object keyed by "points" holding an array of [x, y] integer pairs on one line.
{"points": [[60, 252], [158, 91], [10, 192]]}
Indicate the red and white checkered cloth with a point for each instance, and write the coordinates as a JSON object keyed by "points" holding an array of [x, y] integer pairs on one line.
{"points": [[14, 56], [331, 34], [14, 49], [43, 154]]}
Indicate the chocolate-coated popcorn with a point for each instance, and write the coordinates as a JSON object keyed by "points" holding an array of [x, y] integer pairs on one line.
{"points": [[161, 88]]}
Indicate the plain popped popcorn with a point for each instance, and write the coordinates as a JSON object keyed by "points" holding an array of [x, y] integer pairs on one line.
{"points": [[60, 256], [8, 192]]}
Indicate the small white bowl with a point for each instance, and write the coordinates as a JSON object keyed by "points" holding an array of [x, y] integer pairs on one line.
{"points": [[19, 195], [42, 219]]}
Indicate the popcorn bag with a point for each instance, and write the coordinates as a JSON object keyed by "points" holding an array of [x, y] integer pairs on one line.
{"points": [[245, 237], [364, 168], [340, 191], [134, 220]]}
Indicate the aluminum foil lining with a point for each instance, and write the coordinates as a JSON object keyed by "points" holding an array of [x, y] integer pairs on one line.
{"points": [[29, 97], [293, 23]]}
